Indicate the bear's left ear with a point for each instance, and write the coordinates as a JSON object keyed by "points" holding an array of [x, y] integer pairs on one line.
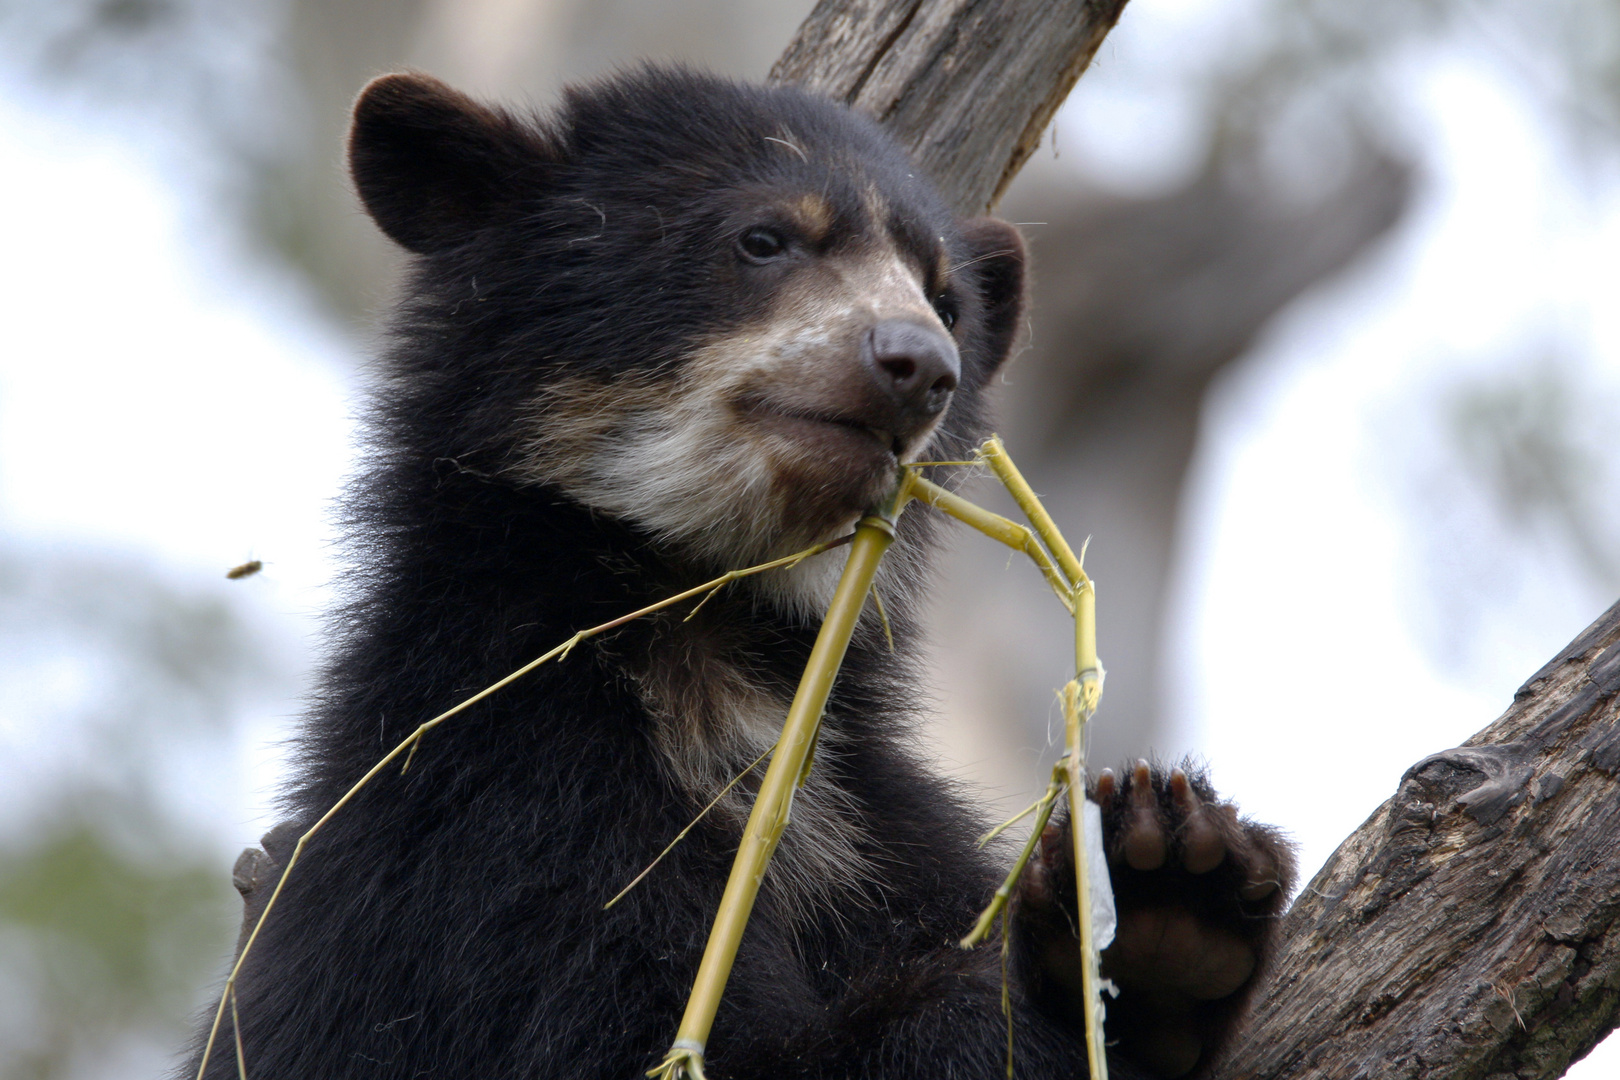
{"points": [[995, 249], [432, 165]]}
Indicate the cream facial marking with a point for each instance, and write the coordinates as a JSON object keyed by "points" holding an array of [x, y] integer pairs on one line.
{"points": [[767, 429]]}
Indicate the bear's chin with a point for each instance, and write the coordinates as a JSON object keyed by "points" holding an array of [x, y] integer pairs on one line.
{"points": [[821, 497], [825, 475]]}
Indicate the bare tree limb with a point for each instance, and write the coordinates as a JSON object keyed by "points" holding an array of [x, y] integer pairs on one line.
{"points": [[967, 86], [1470, 930]]}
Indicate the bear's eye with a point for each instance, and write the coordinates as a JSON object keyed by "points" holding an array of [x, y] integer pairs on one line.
{"points": [[762, 243], [945, 308]]}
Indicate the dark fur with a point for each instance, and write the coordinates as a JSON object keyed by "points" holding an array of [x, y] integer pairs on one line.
{"points": [[449, 921]]}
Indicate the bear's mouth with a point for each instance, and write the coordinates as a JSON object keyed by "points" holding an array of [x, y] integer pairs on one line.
{"points": [[818, 425]]}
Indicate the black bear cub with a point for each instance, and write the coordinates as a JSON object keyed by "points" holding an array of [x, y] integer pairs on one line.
{"points": [[682, 326]]}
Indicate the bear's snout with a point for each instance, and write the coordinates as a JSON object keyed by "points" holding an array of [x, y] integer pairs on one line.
{"points": [[915, 368]]}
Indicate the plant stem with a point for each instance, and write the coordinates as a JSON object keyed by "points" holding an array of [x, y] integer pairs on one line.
{"points": [[769, 817], [1074, 724]]}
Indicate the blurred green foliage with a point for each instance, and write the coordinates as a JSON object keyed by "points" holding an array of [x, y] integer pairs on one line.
{"points": [[114, 912], [99, 945]]}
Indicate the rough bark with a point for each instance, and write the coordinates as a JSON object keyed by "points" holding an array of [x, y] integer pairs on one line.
{"points": [[968, 86], [1471, 928]]}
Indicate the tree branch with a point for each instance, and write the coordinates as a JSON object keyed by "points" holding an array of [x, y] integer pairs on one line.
{"points": [[967, 86], [1470, 929]]}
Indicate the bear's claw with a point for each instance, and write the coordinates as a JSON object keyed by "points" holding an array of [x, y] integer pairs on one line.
{"points": [[1197, 889]]}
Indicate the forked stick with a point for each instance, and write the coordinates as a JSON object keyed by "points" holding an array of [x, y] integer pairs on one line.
{"points": [[1081, 696], [1066, 575], [789, 765]]}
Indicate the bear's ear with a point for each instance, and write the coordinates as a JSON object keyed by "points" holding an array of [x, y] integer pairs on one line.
{"points": [[995, 249], [432, 165]]}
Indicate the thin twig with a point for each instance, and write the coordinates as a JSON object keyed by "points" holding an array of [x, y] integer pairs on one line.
{"points": [[1010, 822], [998, 902], [558, 652], [883, 617], [689, 827], [236, 1029]]}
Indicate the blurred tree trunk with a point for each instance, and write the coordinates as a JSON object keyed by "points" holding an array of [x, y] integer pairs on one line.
{"points": [[1139, 306]]}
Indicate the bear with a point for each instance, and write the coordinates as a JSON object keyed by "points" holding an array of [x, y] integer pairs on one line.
{"points": [[679, 326]]}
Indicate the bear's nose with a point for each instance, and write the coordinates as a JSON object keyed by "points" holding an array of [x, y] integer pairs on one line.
{"points": [[916, 366]]}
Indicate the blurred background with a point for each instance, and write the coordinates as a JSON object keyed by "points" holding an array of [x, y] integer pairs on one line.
{"points": [[1325, 358]]}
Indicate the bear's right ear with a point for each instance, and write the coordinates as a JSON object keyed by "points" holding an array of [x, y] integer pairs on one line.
{"points": [[996, 252], [432, 165]]}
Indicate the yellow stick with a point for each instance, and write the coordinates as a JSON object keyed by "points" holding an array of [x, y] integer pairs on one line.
{"points": [[236, 1029], [1081, 695], [995, 527], [769, 817], [995, 455], [1089, 670]]}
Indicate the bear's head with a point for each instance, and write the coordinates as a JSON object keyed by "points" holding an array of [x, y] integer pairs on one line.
{"points": [[721, 314]]}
